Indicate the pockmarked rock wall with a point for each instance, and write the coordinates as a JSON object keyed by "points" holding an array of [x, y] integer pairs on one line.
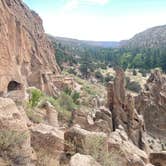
{"points": [[124, 113], [26, 55], [152, 104]]}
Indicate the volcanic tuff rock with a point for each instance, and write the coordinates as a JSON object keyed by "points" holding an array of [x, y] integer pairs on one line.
{"points": [[123, 151], [15, 137], [158, 158], [123, 110], [26, 56], [100, 120], [48, 138], [82, 160], [76, 138], [152, 104]]}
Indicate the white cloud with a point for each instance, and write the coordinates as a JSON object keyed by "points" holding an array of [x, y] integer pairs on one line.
{"points": [[100, 28], [70, 5], [102, 2], [73, 4]]}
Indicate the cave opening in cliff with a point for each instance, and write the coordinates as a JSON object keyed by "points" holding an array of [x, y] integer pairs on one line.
{"points": [[14, 85]]}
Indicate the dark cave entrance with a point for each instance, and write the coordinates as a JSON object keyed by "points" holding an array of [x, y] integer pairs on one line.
{"points": [[14, 85]]}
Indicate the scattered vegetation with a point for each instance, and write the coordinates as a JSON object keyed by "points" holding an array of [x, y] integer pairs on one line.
{"points": [[99, 75], [45, 159], [65, 103], [95, 146], [35, 97], [10, 139], [134, 72], [144, 72], [108, 78], [34, 116], [133, 85]]}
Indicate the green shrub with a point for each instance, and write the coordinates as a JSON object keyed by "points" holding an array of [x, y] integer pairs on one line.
{"points": [[35, 97], [132, 85], [72, 71], [99, 75], [89, 90], [66, 102], [134, 72], [75, 96], [68, 91], [108, 78], [143, 72], [64, 105]]}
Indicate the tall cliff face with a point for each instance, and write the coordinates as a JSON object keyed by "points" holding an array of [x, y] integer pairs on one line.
{"points": [[26, 56], [123, 111]]}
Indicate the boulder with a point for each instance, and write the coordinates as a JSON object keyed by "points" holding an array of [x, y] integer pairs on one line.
{"points": [[82, 160], [15, 137], [100, 120], [76, 139], [123, 151], [47, 139], [158, 159]]}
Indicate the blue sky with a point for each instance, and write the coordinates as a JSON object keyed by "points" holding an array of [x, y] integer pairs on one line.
{"points": [[100, 20]]}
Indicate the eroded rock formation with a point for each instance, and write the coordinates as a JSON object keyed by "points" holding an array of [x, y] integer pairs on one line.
{"points": [[151, 103], [26, 56], [48, 140], [15, 137], [99, 121], [123, 151], [76, 138], [123, 110]]}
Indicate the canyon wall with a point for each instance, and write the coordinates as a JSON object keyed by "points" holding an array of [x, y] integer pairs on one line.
{"points": [[26, 55]]}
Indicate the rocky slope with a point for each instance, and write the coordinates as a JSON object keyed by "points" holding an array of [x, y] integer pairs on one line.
{"points": [[26, 55]]}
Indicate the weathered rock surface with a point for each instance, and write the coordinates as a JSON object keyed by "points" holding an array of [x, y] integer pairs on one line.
{"points": [[26, 56], [75, 139], [48, 139], [123, 151], [82, 160], [15, 137], [151, 103], [49, 114], [158, 159], [3, 162], [122, 107], [99, 121]]}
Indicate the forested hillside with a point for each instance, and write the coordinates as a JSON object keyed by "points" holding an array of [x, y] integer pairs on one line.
{"points": [[151, 38], [146, 50]]}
